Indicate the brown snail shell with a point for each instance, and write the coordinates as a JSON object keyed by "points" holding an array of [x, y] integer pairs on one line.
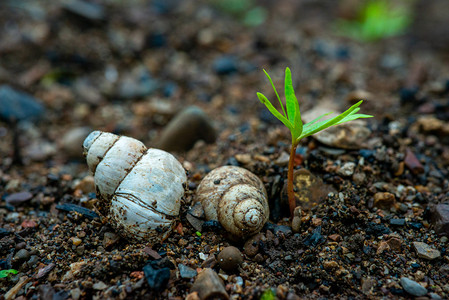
{"points": [[236, 198]]}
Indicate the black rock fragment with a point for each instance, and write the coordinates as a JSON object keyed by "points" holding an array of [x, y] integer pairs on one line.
{"points": [[79, 209], [315, 238], [157, 277]]}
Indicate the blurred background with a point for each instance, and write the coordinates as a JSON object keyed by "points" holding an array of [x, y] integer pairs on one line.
{"points": [[130, 67]]}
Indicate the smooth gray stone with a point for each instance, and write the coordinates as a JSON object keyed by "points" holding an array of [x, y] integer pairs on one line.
{"points": [[412, 287], [18, 106], [185, 129]]}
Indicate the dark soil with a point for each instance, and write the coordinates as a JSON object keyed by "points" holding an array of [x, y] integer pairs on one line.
{"points": [[129, 69]]}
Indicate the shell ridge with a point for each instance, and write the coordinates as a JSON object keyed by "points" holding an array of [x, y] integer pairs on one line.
{"points": [[112, 145], [137, 160], [142, 203]]}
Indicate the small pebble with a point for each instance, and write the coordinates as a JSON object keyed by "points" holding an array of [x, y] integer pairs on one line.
{"points": [[210, 262], [384, 200], [110, 238], [86, 185], [70, 141], [347, 169], [34, 259], [100, 285], [85, 9], [230, 258], [17, 199], [412, 287], [18, 106], [397, 222], [412, 162], [440, 218], [225, 65], [21, 256], [186, 272], [209, 286], [251, 246], [185, 129], [29, 224], [425, 251], [283, 159], [157, 278], [76, 241], [75, 293]]}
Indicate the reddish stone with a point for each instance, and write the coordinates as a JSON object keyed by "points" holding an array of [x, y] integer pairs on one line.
{"points": [[136, 274], [29, 224], [440, 218], [412, 162]]}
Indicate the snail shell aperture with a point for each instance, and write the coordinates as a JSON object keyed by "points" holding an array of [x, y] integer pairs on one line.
{"points": [[236, 198], [140, 188]]}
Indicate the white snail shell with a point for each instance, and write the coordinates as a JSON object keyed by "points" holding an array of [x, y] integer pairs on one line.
{"points": [[236, 198], [141, 188]]}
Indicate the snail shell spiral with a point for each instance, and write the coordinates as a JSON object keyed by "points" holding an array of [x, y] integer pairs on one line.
{"points": [[236, 198], [140, 188]]}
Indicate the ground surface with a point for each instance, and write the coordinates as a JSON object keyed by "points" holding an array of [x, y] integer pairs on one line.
{"points": [[130, 69]]}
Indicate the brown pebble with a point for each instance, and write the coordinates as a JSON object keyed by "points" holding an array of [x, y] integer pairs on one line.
{"points": [[395, 243], [45, 270], [209, 286], [251, 246], [259, 258], [196, 223], [153, 254], [316, 222], [330, 264], [440, 218], [193, 296], [20, 245], [230, 258], [86, 185], [76, 241], [384, 200], [412, 162], [425, 251], [383, 246], [110, 239], [335, 237], [210, 262], [18, 198]]}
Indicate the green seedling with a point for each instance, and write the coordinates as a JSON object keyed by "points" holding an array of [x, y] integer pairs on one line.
{"points": [[378, 19], [5, 273], [291, 118]]}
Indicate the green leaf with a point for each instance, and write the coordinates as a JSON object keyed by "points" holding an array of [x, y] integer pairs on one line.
{"points": [[5, 273], [274, 111], [346, 116], [315, 120], [294, 114], [275, 91]]}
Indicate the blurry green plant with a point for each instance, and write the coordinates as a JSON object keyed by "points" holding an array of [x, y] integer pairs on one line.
{"points": [[5, 273], [244, 10], [292, 120], [268, 295], [378, 19]]}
